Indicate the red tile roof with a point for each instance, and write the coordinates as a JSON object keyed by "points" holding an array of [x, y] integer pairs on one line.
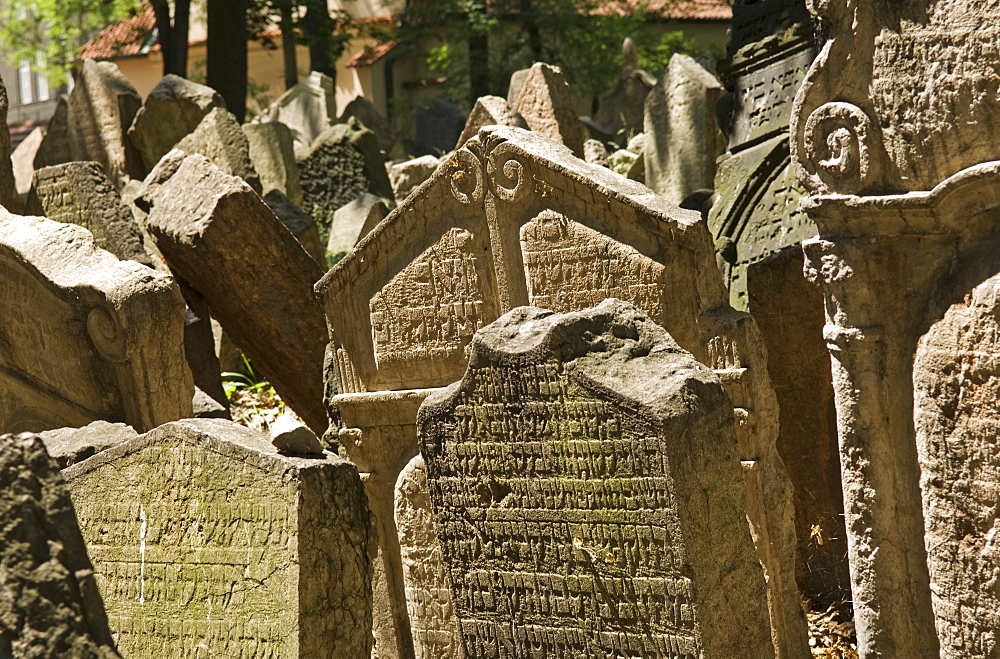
{"points": [[127, 37], [369, 56], [672, 9], [20, 129]]}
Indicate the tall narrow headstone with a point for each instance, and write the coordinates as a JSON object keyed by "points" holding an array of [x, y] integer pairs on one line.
{"points": [[272, 154], [620, 109], [8, 189], [545, 103], [366, 112], [55, 146], [50, 605], [223, 240], [587, 493], [206, 539], [83, 335], [22, 160]]}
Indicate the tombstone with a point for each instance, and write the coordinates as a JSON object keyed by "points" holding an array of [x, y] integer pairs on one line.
{"points": [[513, 219], [789, 311], [171, 111], [55, 146], [376, 213], [308, 109], [23, 158], [683, 140], [438, 127], [406, 176], [100, 110], [206, 539], [890, 140], [219, 138], [343, 162], [298, 222], [272, 155], [81, 193], [756, 212], [547, 107], [49, 602], [224, 242], [568, 471], [85, 336], [8, 188], [620, 109], [515, 84], [67, 446], [199, 348], [428, 600], [365, 112], [489, 111], [595, 152], [348, 223]]}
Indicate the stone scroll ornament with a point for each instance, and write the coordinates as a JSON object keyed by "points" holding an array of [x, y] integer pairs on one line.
{"points": [[514, 219], [895, 138], [569, 475]]}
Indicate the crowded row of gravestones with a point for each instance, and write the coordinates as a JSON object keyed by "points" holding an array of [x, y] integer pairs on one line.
{"points": [[539, 408]]}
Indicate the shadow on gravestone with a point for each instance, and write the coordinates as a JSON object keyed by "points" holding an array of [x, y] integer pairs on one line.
{"points": [[9, 198], [587, 493], [438, 126]]}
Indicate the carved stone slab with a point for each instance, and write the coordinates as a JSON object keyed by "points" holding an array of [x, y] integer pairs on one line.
{"points": [[205, 537], [49, 602], [85, 336], [568, 471], [545, 103]]}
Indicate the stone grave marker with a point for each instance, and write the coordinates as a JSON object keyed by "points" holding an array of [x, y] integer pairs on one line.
{"points": [[514, 219], [81, 193], [8, 188], [890, 140], [67, 446], [308, 109], [545, 103], [376, 213], [620, 109], [406, 176], [23, 158], [55, 146], [683, 140], [299, 222], [348, 223], [85, 336], [588, 496], [366, 112], [219, 138], [489, 111], [50, 605], [101, 108], [171, 111], [222, 239], [272, 154], [438, 126], [206, 539]]}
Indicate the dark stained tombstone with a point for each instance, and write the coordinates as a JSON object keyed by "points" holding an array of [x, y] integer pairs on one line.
{"points": [[438, 126], [9, 198], [206, 539], [587, 494], [620, 109], [50, 605], [84, 336], [55, 149], [366, 112]]}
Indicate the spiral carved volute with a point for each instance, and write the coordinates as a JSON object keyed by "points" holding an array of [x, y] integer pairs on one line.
{"points": [[106, 334], [488, 162], [839, 143]]}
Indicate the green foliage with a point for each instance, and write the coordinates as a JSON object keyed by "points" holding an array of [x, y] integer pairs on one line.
{"points": [[249, 381], [654, 55], [49, 33]]}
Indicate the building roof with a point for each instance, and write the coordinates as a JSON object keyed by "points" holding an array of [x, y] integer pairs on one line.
{"points": [[672, 9], [369, 56], [132, 36]]}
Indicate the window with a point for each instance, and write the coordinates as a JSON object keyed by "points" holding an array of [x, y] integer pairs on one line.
{"points": [[41, 83], [24, 77]]}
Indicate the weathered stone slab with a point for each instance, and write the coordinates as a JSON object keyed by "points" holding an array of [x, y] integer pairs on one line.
{"points": [[49, 602], [568, 471], [206, 539], [23, 158], [272, 154], [342, 163], [376, 213], [406, 176], [8, 187], [85, 336], [219, 138], [513, 219], [67, 446], [366, 112], [299, 222], [789, 311], [101, 108], [307, 109], [620, 109], [171, 111], [81, 193], [224, 241], [489, 111], [55, 147], [348, 222], [435, 628], [545, 103], [683, 140], [438, 125]]}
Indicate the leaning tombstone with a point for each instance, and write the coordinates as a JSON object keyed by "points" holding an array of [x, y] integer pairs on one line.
{"points": [[85, 336], [545, 103], [300, 223], [272, 154], [514, 219], [50, 605], [67, 446], [55, 146], [9, 198], [406, 176], [101, 108], [489, 111], [343, 162], [620, 109], [308, 109], [81, 193], [890, 139], [206, 539], [437, 127], [172, 110], [219, 138], [220, 237], [682, 138], [428, 600], [23, 158], [569, 471], [348, 223], [376, 213], [366, 112]]}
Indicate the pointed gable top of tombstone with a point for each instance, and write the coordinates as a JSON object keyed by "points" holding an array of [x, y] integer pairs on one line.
{"points": [[489, 111], [546, 104]]}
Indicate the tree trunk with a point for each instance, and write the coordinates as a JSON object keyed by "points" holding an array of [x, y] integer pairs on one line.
{"points": [[227, 53], [317, 26], [173, 35], [528, 17], [479, 64], [288, 45]]}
